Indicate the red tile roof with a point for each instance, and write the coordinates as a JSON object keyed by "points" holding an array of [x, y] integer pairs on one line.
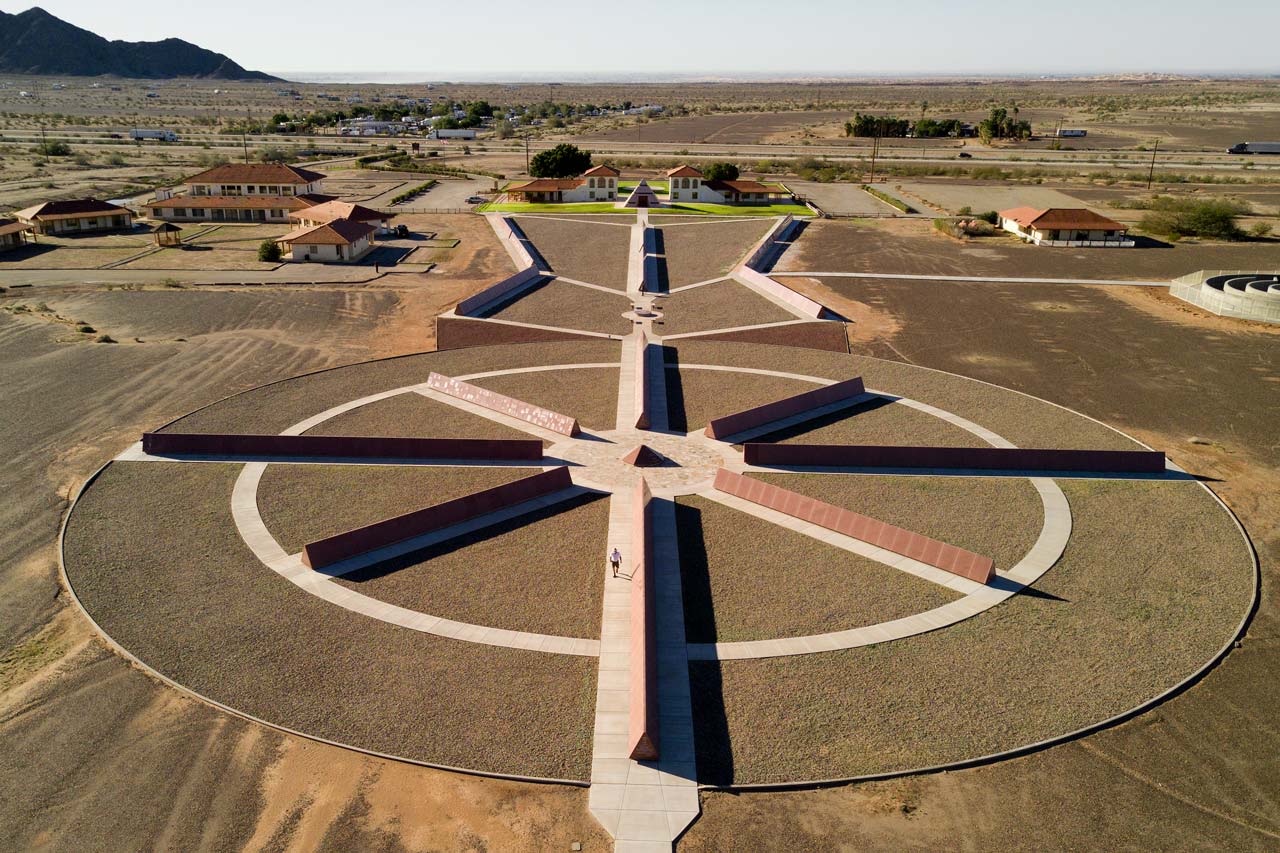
{"points": [[235, 202], [1061, 218], [599, 171], [684, 172], [743, 187], [542, 185], [330, 210], [339, 232], [74, 207], [255, 173], [8, 226]]}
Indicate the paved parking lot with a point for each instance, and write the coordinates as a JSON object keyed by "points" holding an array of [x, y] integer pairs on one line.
{"points": [[841, 199]]}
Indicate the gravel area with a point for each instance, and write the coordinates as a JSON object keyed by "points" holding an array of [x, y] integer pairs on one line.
{"points": [[568, 306], [412, 415], [303, 503], [221, 624], [956, 510], [539, 573], [589, 394], [272, 408], [697, 396], [877, 422], [747, 579], [594, 252], [704, 251], [723, 305], [1130, 610], [1024, 420]]}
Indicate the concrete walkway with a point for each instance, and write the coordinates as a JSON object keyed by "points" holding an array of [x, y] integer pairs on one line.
{"points": [[644, 805]]}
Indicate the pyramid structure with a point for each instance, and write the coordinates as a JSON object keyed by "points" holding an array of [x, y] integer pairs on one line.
{"points": [[642, 196], [643, 457]]}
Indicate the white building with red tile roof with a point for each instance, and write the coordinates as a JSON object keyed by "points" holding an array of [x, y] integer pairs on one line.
{"points": [[338, 241], [1065, 226], [243, 192], [687, 184], [599, 183]]}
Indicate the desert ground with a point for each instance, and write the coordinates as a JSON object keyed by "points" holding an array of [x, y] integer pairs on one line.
{"points": [[97, 749]]}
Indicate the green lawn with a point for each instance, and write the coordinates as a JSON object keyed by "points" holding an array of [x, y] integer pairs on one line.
{"points": [[551, 207]]}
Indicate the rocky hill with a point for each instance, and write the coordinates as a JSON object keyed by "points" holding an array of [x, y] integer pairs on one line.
{"points": [[35, 42]]}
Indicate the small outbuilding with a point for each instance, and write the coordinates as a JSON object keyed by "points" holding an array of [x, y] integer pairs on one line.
{"points": [[1065, 226], [167, 234], [77, 216], [13, 234], [339, 241]]}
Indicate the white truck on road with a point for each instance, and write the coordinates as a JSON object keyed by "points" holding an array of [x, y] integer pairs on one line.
{"points": [[159, 135], [1255, 148]]}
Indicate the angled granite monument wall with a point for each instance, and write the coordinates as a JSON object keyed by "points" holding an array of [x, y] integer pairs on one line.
{"points": [[503, 404], [728, 425], [978, 458], [931, 552], [345, 446], [390, 531]]}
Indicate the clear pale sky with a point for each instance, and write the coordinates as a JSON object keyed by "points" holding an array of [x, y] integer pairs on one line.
{"points": [[564, 39]]}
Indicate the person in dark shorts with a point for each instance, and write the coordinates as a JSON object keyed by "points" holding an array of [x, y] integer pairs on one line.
{"points": [[615, 560]]}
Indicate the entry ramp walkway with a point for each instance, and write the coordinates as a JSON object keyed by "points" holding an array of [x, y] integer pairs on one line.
{"points": [[644, 805]]}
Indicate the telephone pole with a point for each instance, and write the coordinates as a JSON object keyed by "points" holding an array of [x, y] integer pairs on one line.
{"points": [[526, 152], [1151, 173]]}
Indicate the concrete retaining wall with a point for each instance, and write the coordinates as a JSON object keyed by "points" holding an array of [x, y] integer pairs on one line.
{"points": [[940, 555], [509, 406], [749, 272], [380, 534], [651, 274], [362, 447], [642, 727], [785, 408], [982, 458], [509, 286]]}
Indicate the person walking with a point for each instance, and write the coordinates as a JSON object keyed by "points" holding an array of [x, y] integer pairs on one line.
{"points": [[615, 560]]}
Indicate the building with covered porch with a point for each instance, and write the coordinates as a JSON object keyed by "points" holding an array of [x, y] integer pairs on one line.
{"points": [[599, 183], [13, 234], [77, 216], [243, 192], [688, 184], [1065, 226], [338, 241]]}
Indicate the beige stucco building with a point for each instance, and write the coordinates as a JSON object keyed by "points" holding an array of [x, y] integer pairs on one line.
{"points": [[243, 192], [78, 216], [338, 241]]}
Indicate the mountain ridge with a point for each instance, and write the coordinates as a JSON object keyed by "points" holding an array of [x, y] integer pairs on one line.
{"points": [[39, 43]]}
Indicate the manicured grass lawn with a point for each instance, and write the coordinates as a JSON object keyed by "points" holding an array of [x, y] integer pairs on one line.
{"points": [[1129, 610], [272, 408], [723, 305], [568, 306], [732, 562], [532, 207], [154, 556], [657, 186], [541, 573], [589, 394], [303, 503]]}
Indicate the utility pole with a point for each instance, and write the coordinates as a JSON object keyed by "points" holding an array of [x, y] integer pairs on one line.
{"points": [[526, 152], [1152, 172], [44, 146], [875, 149]]}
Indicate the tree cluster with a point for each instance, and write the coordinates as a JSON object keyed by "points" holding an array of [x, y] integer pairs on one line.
{"points": [[1214, 218], [720, 172], [563, 161], [868, 125], [1001, 125]]}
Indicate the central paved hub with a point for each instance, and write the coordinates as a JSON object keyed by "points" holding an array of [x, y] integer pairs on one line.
{"points": [[689, 461]]}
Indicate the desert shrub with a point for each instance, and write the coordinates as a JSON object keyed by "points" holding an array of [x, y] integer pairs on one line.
{"points": [[721, 171], [116, 160], [965, 211], [85, 328], [274, 154], [1214, 218], [106, 339], [269, 251], [1260, 230], [54, 149], [990, 217]]}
